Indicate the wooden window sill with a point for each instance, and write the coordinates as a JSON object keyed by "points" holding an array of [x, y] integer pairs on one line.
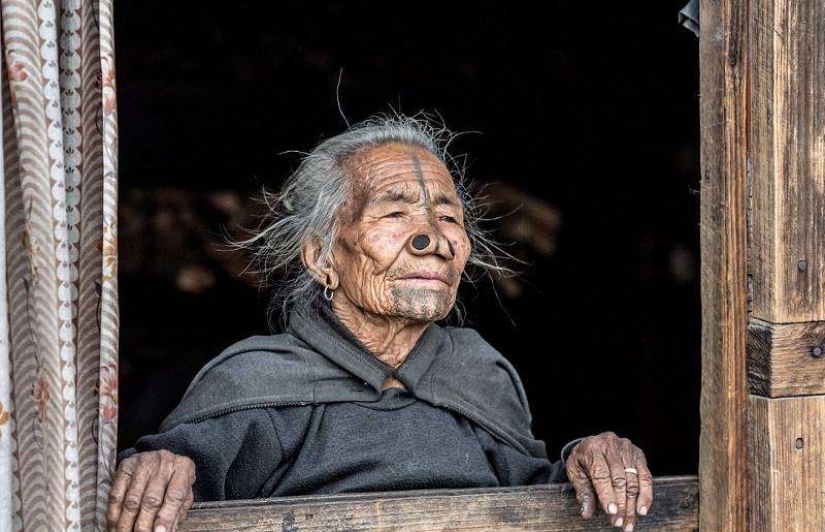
{"points": [[542, 507]]}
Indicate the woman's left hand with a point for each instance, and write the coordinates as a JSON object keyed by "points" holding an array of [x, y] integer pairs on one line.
{"points": [[598, 467]]}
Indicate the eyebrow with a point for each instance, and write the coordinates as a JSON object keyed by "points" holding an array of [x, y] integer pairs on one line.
{"points": [[393, 196]]}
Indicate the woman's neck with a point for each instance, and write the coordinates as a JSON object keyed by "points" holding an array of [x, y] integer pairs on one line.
{"points": [[388, 338]]}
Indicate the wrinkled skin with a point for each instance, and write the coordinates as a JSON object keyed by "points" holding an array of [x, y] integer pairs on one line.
{"points": [[152, 491], [596, 469], [387, 291]]}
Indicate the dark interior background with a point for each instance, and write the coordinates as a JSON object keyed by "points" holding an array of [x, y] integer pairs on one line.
{"points": [[590, 112]]}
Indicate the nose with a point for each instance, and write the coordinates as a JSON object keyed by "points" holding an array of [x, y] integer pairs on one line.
{"points": [[429, 242]]}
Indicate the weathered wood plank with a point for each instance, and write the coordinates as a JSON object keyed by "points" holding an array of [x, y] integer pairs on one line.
{"points": [[787, 138], [551, 507], [787, 448], [723, 241], [786, 359]]}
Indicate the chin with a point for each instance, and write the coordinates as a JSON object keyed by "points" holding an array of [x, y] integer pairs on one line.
{"points": [[422, 305]]}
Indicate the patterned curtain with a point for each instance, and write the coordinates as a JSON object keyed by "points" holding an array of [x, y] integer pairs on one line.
{"points": [[59, 307]]}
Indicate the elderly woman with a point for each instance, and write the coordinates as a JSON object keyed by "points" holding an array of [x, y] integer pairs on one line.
{"points": [[364, 390]]}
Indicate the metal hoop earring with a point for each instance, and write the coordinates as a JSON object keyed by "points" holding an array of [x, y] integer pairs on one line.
{"points": [[328, 294]]}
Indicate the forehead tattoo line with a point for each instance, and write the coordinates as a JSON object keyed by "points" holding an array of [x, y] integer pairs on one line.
{"points": [[419, 174]]}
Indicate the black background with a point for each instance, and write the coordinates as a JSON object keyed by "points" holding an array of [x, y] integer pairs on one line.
{"points": [[592, 108]]}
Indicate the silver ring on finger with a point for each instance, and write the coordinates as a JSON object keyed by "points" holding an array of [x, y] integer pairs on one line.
{"points": [[631, 470]]}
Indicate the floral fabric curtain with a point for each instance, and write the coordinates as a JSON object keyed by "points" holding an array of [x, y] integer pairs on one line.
{"points": [[58, 288]]}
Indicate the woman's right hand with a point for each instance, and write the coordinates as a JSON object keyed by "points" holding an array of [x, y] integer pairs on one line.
{"points": [[152, 491]]}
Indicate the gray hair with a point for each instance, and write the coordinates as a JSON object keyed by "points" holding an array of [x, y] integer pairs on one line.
{"points": [[309, 201]]}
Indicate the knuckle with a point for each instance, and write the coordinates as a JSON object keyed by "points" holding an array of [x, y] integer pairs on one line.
{"points": [[176, 495], [164, 456], [600, 473], [577, 474], [128, 464], [633, 490], [151, 502], [619, 482], [132, 503], [156, 456], [184, 463], [143, 527]]}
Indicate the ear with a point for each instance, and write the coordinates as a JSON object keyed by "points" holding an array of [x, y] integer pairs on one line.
{"points": [[322, 273]]}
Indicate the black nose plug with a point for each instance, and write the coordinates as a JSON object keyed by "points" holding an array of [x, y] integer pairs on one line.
{"points": [[421, 242]]}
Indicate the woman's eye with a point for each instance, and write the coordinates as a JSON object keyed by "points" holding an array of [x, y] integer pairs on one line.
{"points": [[449, 219], [396, 214]]}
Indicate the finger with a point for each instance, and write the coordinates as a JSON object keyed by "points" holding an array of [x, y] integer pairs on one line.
{"points": [[122, 479], [183, 511], [599, 473], [134, 496], [618, 481], [632, 497], [176, 494], [645, 484], [585, 495], [632, 489], [153, 498]]}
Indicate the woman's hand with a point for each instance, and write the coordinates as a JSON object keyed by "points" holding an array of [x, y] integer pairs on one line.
{"points": [[151, 493], [597, 466]]}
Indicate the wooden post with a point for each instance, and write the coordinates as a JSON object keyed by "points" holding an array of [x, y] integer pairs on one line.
{"points": [[787, 262], [723, 215]]}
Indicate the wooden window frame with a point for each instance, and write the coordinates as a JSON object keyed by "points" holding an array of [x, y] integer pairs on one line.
{"points": [[761, 192]]}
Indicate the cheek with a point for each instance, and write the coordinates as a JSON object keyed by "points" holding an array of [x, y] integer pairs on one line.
{"points": [[383, 246], [461, 242]]}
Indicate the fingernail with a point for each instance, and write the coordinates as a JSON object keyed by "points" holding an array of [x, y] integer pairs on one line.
{"points": [[160, 528], [619, 522], [643, 510], [584, 507], [612, 508], [629, 528]]}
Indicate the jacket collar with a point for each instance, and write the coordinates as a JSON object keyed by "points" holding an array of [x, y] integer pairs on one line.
{"points": [[319, 326]]}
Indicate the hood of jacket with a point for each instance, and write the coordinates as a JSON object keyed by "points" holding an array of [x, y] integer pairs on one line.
{"points": [[316, 360]]}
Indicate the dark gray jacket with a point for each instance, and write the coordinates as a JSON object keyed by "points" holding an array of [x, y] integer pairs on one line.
{"points": [[269, 392]]}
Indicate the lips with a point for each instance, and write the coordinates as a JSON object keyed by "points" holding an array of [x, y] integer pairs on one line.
{"points": [[427, 276]]}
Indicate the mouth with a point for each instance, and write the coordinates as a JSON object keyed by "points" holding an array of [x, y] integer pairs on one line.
{"points": [[426, 277]]}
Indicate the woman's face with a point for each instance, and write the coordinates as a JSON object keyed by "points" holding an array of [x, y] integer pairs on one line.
{"points": [[402, 246]]}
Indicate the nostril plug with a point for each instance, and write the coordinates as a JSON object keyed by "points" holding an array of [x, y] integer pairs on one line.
{"points": [[421, 242]]}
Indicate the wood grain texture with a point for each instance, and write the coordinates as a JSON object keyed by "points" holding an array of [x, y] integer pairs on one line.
{"points": [[787, 139], [723, 241], [550, 507], [786, 443], [781, 362]]}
